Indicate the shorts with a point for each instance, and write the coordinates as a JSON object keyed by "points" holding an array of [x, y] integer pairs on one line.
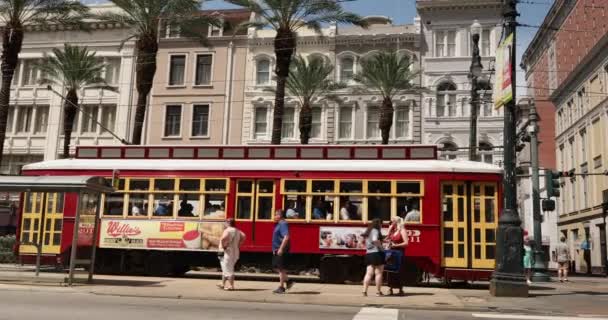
{"points": [[279, 262], [562, 264], [374, 259]]}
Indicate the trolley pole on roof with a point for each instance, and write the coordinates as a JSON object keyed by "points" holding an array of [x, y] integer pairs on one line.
{"points": [[508, 278]]}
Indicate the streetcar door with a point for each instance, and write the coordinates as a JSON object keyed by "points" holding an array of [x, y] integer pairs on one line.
{"points": [[484, 223], [42, 217], [255, 209], [454, 249]]}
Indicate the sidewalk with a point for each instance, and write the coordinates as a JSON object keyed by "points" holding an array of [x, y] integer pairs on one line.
{"points": [[582, 296]]}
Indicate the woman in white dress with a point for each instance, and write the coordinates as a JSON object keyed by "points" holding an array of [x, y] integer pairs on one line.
{"points": [[230, 243]]}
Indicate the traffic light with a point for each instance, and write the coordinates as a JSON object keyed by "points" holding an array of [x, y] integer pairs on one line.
{"points": [[552, 183], [548, 205]]}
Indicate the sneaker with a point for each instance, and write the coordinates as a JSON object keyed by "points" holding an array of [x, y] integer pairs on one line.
{"points": [[279, 290], [289, 284]]}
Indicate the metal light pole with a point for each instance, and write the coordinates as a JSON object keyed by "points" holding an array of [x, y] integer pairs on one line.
{"points": [[508, 279], [540, 264], [474, 73]]}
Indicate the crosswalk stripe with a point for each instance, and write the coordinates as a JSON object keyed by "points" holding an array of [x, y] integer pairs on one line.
{"points": [[526, 317], [377, 314]]}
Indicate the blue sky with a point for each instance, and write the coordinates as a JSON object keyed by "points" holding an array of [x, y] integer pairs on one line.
{"points": [[403, 11]]}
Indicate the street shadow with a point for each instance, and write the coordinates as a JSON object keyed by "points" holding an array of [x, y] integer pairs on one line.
{"points": [[305, 292], [533, 287], [587, 293], [126, 283], [248, 290]]}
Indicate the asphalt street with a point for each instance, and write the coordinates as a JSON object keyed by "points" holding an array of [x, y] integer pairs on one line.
{"points": [[27, 303]]}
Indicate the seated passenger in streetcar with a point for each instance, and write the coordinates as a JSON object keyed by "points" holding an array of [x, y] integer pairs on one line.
{"points": [[319, 211], [345, 211], [413, 215]]}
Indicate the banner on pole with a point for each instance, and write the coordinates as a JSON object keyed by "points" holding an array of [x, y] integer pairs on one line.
{"points": [[503, 88]]}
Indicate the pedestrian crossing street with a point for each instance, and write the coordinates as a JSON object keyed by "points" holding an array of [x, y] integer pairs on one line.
{"points": [[396, 314]]}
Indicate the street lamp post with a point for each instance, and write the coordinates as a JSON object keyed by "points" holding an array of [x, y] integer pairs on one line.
{"points": [[474, 74], [508, 279]]}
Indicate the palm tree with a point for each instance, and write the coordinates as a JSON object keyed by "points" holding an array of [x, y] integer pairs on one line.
{"points": [[144, 18], [306, 81], [389, 74], [74, 68], [15, 15], [286, 17]]}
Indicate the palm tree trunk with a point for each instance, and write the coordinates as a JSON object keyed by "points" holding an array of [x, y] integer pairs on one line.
{"points": [[386, 119], [145, 71], [71, 100], [12, 40], [305, 122], [284, 47]]}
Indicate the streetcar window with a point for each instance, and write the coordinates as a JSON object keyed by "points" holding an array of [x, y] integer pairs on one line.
{"points": [[323, 186], [322, 208], [218, 185], [351, 186], [265, 207], [138, 205], [408, 187], [295, 207], [139, 185], [448, 208], [164, 184], [60, 202], [215, 207], [266, 186], [245, 186], [476, 210], [29, 201], [163, 205], [408, 208], [379, 187], [189, 205], [351, 208], [379, 208], [121, 184], [243, 207], [295, 186], [189, 185], [113, 204]]}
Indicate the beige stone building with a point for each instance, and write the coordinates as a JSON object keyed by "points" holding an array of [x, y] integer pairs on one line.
{"points": [[197, 96], [354, 120], [34, 129]]}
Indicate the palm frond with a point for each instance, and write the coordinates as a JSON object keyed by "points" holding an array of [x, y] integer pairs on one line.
{"points": [[310, 79], [74, 67], [386, 72]]}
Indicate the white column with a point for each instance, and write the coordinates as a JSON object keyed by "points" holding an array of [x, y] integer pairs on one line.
{"points": [[55, 126]]}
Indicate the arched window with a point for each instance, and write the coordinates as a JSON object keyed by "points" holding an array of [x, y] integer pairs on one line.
{"points": [[347, 69], [485, 152], [263, 72], [449, 151], [446, 100]]}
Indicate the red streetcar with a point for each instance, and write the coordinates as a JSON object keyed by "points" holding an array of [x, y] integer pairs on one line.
{"points": [[169, 203]]}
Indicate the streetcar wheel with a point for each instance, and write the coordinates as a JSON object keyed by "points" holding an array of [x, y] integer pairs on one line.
{"points": [[179, 270], [332, 270], [157, 265]]}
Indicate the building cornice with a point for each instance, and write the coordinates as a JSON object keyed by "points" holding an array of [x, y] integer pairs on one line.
{"points": [[425, 6], [554, 19]]}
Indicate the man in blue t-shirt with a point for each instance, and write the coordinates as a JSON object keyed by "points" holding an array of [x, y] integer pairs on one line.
{"points": [[280, 249]]}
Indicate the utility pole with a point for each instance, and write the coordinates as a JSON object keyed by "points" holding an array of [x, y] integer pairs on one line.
{"points": [[474, 74], [540, 264], [508, 279]]}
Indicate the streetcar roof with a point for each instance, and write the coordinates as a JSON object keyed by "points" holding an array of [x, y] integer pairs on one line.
{"points": [[460, 166]]}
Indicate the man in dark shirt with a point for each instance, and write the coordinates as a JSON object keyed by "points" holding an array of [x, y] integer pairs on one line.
{"points": [[280, 250]]}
